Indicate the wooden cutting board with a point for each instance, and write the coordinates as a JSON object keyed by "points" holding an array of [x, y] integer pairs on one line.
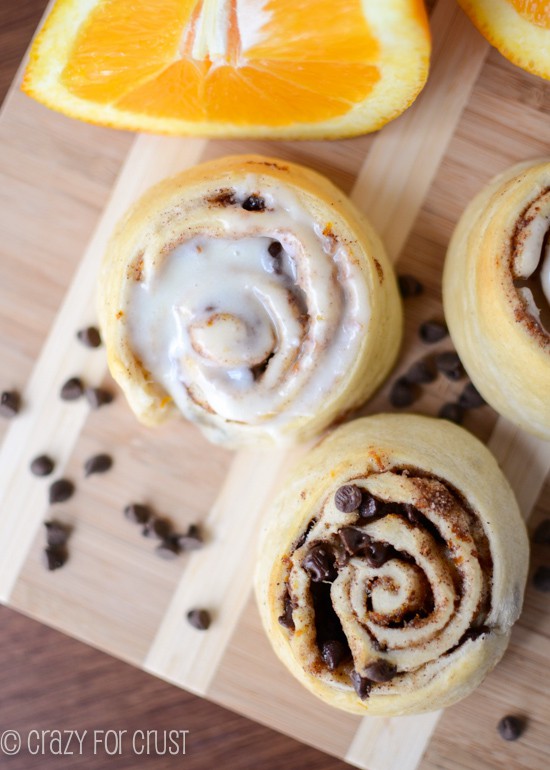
{"points": [[477, 116]]}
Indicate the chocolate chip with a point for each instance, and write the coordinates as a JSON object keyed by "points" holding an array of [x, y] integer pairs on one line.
{"points": [[361, 686], [98, 464], [510, 728], [57, 533], [413, 514], [139, 514], [333, 653], [319, 564], [354, 540], [72, 389], [199, 619], [10, 403], [402, 393], [97, 397], [275, 248], [449, 364], [90, 337], [348, 498], [370, 507], [192, 540], [409, 286], [433, 331], [168, 548], [286, 619], [60, 491], [452, 412], [55, 557], [254, 203], [541, 535], [541, 579], [380, 671], [422, 372], [157, 528], [470, 398], [42, 465], [378, 554]]}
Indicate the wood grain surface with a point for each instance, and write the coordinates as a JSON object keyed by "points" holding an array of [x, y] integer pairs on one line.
{"points": [[477, 115]]}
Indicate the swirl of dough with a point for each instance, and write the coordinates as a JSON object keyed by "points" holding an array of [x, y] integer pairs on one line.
{"points": [[393, 598], [248, 296], [496, 291]]}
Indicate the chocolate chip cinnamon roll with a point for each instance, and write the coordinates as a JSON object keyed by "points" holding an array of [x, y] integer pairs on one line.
{"points": [[496, 291], [250, 296], [392, 566]]}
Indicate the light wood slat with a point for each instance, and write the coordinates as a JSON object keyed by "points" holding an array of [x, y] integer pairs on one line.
{"points": [[48, 420], [404, 158], [219, 576]]}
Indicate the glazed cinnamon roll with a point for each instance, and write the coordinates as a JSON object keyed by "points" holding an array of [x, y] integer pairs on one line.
{"points": [[496, 292], [250, 296], [393, 566]]}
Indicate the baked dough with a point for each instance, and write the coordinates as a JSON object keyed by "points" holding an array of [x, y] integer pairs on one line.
{"points": [[250, 296], [496, 291], [402, 604]]}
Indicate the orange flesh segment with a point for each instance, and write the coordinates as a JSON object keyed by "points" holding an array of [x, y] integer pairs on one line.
{"points": [[535, 11], [305, 67]]}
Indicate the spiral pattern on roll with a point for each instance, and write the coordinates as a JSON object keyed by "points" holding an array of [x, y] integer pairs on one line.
{"points": [[394, 573]]}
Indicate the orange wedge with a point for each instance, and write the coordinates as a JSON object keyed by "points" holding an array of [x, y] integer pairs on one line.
{"points": [[519, 29], [269, 68]]}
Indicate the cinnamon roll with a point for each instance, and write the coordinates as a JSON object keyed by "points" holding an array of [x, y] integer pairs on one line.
{"points": [[496, 291], [248, 295], [392, 566]]}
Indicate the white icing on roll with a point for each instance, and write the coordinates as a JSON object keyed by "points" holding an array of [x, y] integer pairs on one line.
{"points": [[253, 337]]}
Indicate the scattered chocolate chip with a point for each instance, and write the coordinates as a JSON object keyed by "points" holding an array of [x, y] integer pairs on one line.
{"points": [[370, 507], [449, 364], [254, 203], [60, 491], [361, 686], [199, 619], [98, 464], [354, 540], [380, 671], [139, 514], [168, 549], [57, 533], [452, 412], [42, 465], [286, 619], [402, 393], [55, 557], [97, 397], [72, 389], [348, 498], [422, 372], [319, 564], [541, 535], [10, 403], [157, 528], [470, 398], [192, 540], [90, 337], [510, 728], [433, 331], [413, 514], [275, 248], [409, 286], [378, 554], [541, 579], [333, 653]]}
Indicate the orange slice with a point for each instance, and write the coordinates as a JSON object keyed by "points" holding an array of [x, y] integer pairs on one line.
{"points": [[519, 29], [271, 68]]}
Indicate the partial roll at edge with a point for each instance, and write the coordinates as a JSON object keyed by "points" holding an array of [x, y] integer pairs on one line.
{"points": [[250, 296], [496, 292], [392, 566]]}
